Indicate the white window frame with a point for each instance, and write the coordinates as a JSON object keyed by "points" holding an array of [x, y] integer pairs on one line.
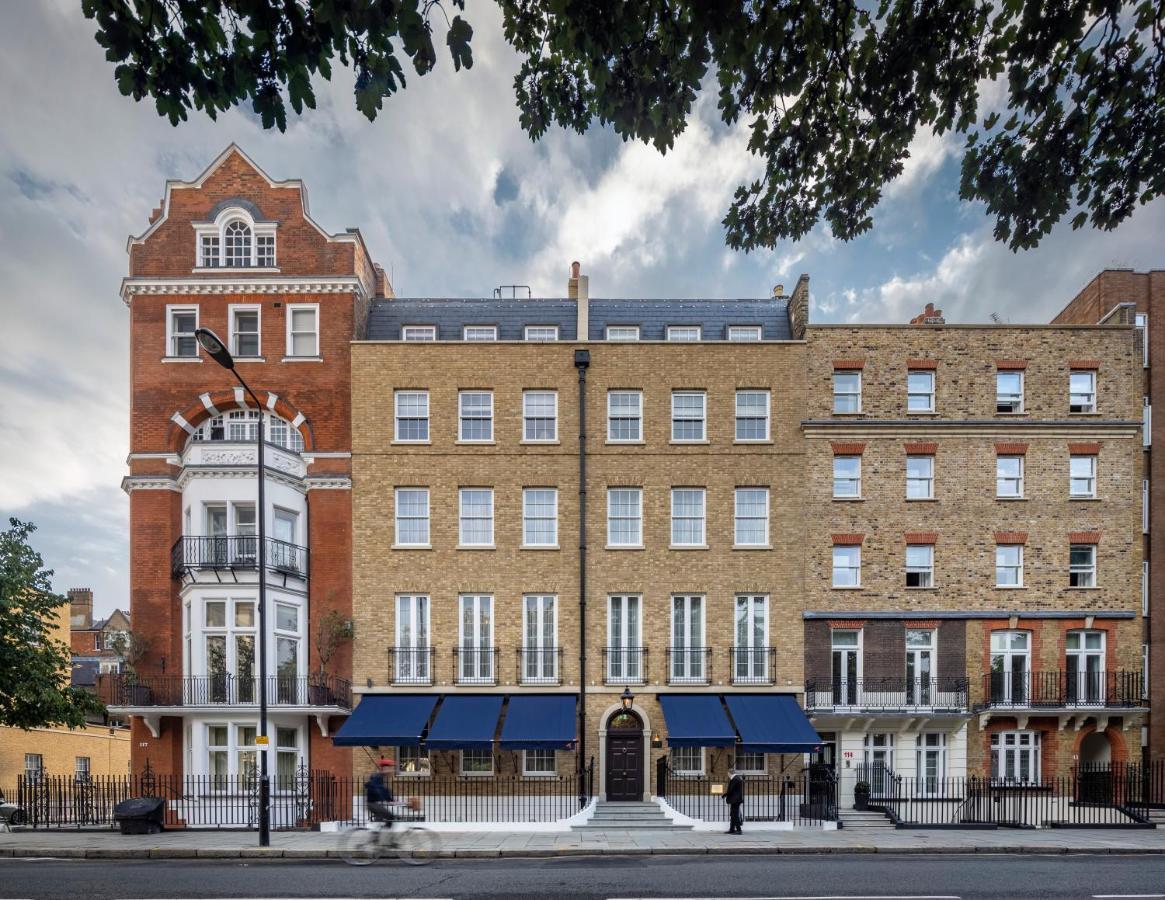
{"points": [[921, 566], [1146, 422], [398, 518], [476, 773], [925, 392], [685, 333], [216, 232], [416, 667], [1009, 398], [930, 744], [542, 667], [528, 420], [233, 332], [463, 519], [745, 419], [540, 333], [528, 519], [1007, 480], [172, 335], [626, 664], [1085, 481], [1145, 588], [924, 480], [622, 333], [463, 419], [1087, 398], [397, 396], [1141, 323], [292, 309], [738, 519], [699, 521], [685, 416], [744, 767], [479, 333], [745, 333], [840, 482], [623, 416], [1017, 566], [82, 769], [1083, 572], [637, 519], [1007, 745], [839, 394], [680, 756], [418, 332], [851, 564], [528, 772], [416, 757]]}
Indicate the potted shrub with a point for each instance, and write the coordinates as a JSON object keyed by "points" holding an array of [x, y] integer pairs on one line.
{"points": [[862, 795], [332, 632]]}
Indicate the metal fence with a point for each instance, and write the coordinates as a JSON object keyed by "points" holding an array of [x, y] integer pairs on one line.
{"points": [[302, 799], [803, 800]]}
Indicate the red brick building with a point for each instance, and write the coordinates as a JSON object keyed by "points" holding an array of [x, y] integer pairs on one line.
{"points": [[1122, 295], [238, 252]]}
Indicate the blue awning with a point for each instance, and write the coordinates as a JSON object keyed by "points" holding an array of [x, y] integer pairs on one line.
{"points": [[465, 722], [772, 723], [386, 720], [696, 720], [539, 722]]}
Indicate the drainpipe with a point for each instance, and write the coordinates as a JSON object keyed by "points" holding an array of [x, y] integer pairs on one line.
{"points": [[582, 360]]}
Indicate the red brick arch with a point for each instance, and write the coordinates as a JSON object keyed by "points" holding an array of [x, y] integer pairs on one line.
{"points": [[224, 401], [1116, 742]]}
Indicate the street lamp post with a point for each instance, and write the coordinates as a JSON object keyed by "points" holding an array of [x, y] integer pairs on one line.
{"points": [[217, 350]]}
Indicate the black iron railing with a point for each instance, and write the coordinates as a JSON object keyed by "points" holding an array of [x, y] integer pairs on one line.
{"points": [[948, 694], [475, 665], [624, 665], [752, 665], [805, 799], [410, 665], [236, 552], [225, 690], [540, 665], [1050, 689], [689, 665]]}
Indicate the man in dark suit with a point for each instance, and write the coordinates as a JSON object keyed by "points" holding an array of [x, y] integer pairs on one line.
{"points": [[734, 797]]}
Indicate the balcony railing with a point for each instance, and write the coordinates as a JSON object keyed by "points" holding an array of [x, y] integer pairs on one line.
{"points": [[540, 665], [1050, 690], [752, 665], [689, 665], [239, 551], [475, 665], [890, 694], [224, 690], [624, 665], [410, 665]]}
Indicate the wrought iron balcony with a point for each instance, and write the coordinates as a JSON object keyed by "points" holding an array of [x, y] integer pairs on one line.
{"points": [[689, 665], [887, 694], [410, 665], [752, 665], [1063, 690], [540, 665], [126, 690], [624, 665], [236, 552], [475, 665]]}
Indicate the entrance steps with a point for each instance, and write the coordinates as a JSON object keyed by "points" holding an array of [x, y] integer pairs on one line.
{"points": [[868, 818], [1157, 816], [620, 816]]}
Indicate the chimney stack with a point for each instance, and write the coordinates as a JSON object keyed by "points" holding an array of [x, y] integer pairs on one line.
{"points": [[929, 316], [80, 608], [778, 291], [578, 288], [798, 308]]}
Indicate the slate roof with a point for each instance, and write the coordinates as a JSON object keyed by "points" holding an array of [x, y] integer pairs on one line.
{"points": [[450, 315], [84, 673]]}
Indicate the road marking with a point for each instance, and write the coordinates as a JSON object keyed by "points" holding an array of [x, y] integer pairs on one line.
{"points": [[1126, 896], [847, 897]]}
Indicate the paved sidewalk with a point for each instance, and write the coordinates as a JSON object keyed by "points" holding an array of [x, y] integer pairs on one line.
{"points": [[312, 845]]}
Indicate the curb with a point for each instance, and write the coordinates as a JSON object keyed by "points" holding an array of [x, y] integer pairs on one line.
{"points": [[299, 853]]}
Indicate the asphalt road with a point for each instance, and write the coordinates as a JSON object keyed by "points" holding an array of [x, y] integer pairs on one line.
{"points": [[827, 876]]}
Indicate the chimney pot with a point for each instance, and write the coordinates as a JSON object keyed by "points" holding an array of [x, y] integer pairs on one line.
{"points": [[778, 291], [575, 268]]}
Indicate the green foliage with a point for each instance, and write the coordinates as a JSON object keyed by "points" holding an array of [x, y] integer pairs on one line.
{"points": [[832, 91], [34, 667], [132, 647], [332, 631]]}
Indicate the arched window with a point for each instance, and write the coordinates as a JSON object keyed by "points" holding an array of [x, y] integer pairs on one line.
{"points": [[237, 244], [239, 425]]}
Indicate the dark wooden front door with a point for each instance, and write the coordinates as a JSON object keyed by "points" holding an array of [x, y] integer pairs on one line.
{"points": [[624, 765]]}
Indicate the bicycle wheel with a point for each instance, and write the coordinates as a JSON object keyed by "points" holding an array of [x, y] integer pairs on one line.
{"points": [[417, 846], [360, 846]]}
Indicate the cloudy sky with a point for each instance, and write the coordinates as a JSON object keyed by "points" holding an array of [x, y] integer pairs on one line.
{"points": [[453, 199]]}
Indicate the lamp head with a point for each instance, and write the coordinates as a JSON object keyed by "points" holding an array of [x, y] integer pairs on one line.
{"points": [[627, 699], [582, 359], [214, 347]]}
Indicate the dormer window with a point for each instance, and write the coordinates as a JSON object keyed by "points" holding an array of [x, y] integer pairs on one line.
{"points": [[235, 240]]}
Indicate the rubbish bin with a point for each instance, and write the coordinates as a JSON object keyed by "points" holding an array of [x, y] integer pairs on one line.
{"points": [[140, 815]]}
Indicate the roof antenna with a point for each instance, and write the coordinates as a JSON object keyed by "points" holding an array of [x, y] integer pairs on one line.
{"points": [[994, 317]]}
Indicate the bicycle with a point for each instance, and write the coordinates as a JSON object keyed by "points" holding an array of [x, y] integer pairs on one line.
{"points": [[363, 845]]}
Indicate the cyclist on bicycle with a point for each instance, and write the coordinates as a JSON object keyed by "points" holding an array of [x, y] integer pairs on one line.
{"points": [[378, 794]]}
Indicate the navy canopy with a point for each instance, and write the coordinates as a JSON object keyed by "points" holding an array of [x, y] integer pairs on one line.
{"points": [[465, 722], [386, 720], [772, 723], [696, 720], [539, 722]]}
